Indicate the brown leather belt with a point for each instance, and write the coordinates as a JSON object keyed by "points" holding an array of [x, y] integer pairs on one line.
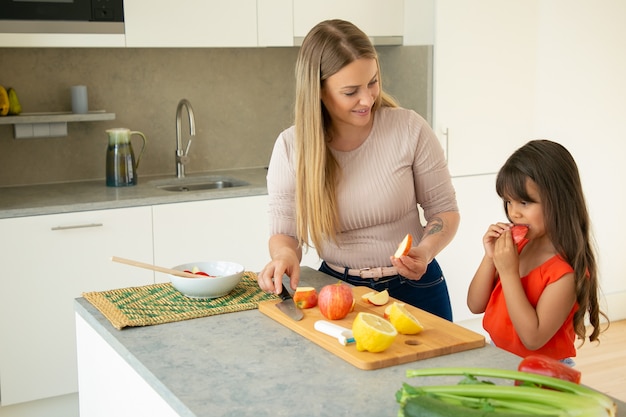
{"points": [[372, 273]]}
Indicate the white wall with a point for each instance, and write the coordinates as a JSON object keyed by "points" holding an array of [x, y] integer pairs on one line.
{"points": [[507, 72], [581, 103]]}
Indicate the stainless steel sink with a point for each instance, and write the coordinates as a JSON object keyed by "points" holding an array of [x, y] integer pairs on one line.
{"points": [[199, 184]]}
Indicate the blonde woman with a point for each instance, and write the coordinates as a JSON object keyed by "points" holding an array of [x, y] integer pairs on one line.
{"points": [[347, 178]]}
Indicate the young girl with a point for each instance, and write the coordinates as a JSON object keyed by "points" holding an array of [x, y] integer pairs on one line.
{"points": [[535, 294]]}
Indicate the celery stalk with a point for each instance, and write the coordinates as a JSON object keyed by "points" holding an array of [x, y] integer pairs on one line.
{"points": [[504, 405], [581, 393], [571, 405]]}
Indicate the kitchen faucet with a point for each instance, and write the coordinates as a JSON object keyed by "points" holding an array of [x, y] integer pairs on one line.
{"points": [[182, 157]]}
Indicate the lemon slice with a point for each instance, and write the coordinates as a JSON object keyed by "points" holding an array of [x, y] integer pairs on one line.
{"points": [[403, 320], [372, 333]]}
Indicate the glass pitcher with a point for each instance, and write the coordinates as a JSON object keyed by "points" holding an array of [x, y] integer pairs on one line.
{"points": [[121, 166]]}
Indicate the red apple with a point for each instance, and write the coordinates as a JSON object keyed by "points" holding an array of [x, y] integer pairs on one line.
{"points": [[335, 301], [305, 297]]}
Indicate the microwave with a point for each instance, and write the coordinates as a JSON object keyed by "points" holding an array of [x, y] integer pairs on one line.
{"points": [[62, 16]]}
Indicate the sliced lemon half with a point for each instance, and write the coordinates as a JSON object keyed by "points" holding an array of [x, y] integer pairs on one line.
{"points": [[372, 333], [403, 321]]}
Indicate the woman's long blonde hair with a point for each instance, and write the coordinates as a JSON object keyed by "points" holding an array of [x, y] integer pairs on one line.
{"points": [[327, 48]]}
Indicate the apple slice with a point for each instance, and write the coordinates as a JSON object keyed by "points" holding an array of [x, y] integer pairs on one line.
{"points": [[380, 298], [366, 297], [305, 297], [404, 246]]}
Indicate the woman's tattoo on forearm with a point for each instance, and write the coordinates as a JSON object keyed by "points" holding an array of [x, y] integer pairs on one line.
{"points": [[435, 225]]}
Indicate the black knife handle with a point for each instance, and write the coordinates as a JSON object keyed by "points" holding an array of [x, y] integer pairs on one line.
{"points": [[284, 294]]}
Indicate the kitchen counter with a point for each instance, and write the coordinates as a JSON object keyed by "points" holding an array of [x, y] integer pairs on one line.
{"points": [[246, 364], [36, 200]]}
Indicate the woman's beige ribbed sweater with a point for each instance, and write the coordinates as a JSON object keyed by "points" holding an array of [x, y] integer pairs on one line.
{"points": [[400, 165]]}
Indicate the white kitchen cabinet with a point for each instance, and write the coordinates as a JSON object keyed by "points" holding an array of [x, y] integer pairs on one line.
{"points": [[242, 23], [379, 19], [419, 22], [406, 22], [275, 22], [484, 71], [479, 206], [190, 23], [231, 229], [47, 262], [130, 394]]}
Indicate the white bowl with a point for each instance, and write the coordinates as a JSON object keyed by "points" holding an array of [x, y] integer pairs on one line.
{"points": [[226, 276]]}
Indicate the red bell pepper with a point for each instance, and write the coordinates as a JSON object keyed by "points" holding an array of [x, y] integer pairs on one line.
{"points": [[547, 366]]}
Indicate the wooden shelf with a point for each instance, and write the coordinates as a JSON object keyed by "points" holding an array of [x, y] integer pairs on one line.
{"points": [[49, 125], [57, 117]]}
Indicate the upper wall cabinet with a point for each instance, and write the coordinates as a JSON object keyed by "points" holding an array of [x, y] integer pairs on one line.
{"points": [[484, 76], [240, 23], [275, 22], [192, 23], [383, 21], [387, 22], [267, 23]]}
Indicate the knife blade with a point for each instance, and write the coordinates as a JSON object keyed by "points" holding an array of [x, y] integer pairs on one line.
{"points": [[288, 306]]}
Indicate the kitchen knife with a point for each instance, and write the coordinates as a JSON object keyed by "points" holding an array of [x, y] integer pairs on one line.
{"points": [[288, 306]]}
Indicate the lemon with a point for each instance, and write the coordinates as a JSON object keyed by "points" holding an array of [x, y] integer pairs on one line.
{"points": [[403, 320], [372, 332]]}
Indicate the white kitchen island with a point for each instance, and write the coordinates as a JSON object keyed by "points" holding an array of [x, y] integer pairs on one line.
{"points": [[238, 364]]}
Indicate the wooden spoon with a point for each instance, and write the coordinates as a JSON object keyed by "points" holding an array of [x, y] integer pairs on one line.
{"points": [[154, 267]]}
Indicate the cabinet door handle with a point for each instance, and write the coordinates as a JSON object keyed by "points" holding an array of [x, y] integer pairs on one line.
{"points": [[76, 226]]}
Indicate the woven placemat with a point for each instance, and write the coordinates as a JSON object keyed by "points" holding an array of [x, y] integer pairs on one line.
{"points": [[162, 303]]}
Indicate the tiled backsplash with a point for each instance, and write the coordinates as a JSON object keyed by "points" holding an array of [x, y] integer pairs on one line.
{"points": [[242, 99]]}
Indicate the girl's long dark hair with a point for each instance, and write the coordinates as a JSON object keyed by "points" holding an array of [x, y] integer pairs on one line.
{"points": [[566, 218]]}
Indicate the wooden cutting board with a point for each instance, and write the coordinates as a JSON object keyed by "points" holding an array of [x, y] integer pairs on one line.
{"points": [[439, 337]]}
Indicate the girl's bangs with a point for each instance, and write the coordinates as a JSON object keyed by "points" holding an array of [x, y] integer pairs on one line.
{"points": [[511, 184]]}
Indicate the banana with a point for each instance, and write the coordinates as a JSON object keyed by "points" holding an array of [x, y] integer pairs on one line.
{"points": [[15, 107], [4, 101]]}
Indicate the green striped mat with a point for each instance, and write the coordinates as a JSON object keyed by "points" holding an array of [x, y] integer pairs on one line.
{"points": [[162, 303]]}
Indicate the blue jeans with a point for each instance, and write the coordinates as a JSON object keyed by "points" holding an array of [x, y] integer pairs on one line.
{"points": [[430, 293]]}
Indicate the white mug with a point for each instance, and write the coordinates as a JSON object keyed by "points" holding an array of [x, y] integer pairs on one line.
{"points": [[79, 99]]}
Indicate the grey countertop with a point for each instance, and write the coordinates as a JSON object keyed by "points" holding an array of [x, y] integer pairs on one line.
{"points": [[247, 364], [95, 195]]}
